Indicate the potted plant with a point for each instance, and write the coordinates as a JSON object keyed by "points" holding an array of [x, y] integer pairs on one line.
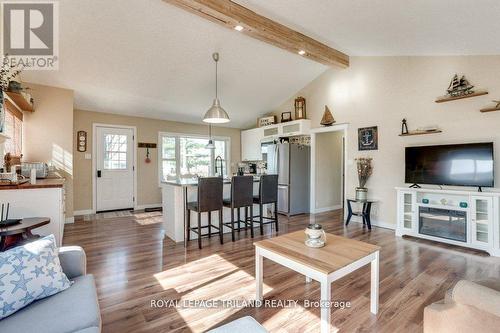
{"points": [[365, 169], [8, 72]]}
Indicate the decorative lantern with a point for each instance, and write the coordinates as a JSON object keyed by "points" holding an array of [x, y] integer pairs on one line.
{"points": [[300, 108]]}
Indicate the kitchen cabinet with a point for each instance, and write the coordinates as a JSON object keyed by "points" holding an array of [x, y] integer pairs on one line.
{"points": [[250, 144]]}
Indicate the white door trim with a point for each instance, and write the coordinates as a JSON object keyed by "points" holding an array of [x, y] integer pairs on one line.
{"points": [[94, 160], [314, 131]]}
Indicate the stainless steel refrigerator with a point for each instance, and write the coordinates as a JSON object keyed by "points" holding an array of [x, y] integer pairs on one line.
{"points": [[292, 164]]}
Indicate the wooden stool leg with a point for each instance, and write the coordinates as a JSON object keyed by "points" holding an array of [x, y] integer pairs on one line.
{"points": [[188, 229], [221, 228], [239, 218], [232, 224], [199, 230], [261, 219], [209, 224], [246, 218], [251, 220], [276, 215]]}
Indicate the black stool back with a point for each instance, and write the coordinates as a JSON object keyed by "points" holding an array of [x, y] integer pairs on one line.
{"points": [[268, 189], [210, 192], [242, 191]]}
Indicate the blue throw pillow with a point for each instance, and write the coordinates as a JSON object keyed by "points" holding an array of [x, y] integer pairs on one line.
{"points": [[28, 273]]}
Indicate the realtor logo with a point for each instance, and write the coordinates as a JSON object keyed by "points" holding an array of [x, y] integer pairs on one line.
{"points": [[31, 34]]}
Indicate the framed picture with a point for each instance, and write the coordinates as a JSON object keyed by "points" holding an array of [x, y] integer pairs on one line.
{"points": [[266, 121], [368, 138], [286, 116]]}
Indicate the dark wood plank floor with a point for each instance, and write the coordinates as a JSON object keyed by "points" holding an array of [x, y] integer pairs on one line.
{"points": [[133, 265]]}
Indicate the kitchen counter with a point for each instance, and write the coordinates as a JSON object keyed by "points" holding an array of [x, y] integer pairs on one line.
{"points": [[175, 194], [40, 183]]}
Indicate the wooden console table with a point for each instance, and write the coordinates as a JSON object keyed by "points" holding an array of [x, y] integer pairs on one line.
{"points": [[21, 231], [339, 257]]}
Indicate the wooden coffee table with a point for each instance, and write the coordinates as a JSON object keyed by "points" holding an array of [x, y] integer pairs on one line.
{"points": [[339, 257]]}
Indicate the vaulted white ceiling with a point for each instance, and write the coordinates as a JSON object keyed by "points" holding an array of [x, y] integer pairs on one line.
{"points": [[148, 58], [392, 27]]}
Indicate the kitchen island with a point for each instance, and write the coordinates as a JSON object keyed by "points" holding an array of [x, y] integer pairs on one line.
{"points": [[175, 194]]}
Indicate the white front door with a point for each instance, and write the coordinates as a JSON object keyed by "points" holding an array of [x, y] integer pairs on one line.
{"points": [[115, 168]]}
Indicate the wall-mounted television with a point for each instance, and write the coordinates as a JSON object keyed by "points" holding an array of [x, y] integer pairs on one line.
{"points": [[468, 164]]}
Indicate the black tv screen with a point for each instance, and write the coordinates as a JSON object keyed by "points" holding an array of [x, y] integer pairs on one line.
{"points": [[462, 165]]}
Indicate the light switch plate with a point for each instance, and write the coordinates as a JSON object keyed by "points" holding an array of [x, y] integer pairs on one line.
{"points": [[88, 156]]}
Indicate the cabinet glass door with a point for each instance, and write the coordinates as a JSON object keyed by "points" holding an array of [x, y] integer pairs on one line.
{"points": [[407, 211], [481, 220]]}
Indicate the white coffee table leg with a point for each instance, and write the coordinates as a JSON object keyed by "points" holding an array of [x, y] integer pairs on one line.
{"points": [[258, 275], [374, 284], [326, 295], [308, 279]]}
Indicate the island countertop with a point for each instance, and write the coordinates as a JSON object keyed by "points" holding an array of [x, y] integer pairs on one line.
{"points": [[40, 183], [194, 182]]}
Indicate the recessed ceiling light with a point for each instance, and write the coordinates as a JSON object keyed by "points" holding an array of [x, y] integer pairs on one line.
{"points": [[302, 52], [238, 28]]}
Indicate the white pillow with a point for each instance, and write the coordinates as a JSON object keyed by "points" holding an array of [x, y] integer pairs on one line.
{"points": [[28, 273]]}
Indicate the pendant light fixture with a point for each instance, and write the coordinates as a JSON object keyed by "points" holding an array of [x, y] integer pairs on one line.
{"points": [[216, 114], [210, 144]]}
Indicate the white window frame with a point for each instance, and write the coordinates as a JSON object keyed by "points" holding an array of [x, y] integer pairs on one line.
{"points": [[227, 139]]}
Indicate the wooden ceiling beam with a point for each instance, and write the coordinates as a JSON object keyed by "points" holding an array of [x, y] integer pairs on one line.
{"points": [[231, 14]]}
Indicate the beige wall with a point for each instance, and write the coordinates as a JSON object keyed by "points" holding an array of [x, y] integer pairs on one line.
{"points": [[328, 170], [48, 133], [380, 91], [148, 191]]}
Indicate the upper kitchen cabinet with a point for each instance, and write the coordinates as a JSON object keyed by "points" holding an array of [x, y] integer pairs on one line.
{"points": [[250, 144]]}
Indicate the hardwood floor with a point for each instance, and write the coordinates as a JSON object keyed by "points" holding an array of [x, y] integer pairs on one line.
{"points": [[134, 266]]}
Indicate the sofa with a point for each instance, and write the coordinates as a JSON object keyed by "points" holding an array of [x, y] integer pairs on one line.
{"points": [[467, 307], [75, 309]]}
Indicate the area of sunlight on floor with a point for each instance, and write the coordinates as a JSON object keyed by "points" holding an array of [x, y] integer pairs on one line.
{"points": [[209, 279]]}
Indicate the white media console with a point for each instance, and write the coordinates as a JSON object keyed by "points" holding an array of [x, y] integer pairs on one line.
{"points": [[464, 218]]}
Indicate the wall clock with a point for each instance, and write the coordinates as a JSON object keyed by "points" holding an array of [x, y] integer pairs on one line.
{"points": [[368, 138]]}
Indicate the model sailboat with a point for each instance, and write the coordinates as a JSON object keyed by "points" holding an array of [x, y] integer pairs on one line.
{"points": [[327, 119], [459, 87]]}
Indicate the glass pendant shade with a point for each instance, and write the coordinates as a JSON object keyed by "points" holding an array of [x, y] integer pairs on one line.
{"points": [[216, 114]]}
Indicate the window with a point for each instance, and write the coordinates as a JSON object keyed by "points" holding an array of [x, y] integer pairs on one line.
{"points": [[13, 128], [115, 152], [184, 156]]}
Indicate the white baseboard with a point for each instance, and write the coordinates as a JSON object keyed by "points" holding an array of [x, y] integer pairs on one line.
{"points": [[148, 206], [69, 220], [327, 209], [375, 223], [83, 212]]}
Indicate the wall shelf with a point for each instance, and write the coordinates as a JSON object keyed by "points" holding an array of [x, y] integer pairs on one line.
{"points": [[490, 109], [448, 98], [20, 101], [417, 132]]}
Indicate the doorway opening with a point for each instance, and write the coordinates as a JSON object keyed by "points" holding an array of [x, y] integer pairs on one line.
{"points": [[328, 169]]}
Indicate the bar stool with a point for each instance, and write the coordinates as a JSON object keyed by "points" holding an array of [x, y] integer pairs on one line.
{"points": [[210, 192], [241, 196], [268, 194]]}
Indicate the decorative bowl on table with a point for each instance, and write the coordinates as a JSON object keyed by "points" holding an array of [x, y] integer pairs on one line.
{"points": [[316, 236]]}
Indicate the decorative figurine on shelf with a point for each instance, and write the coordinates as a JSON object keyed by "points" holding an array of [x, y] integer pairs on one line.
{"points": [[300, 108], [327, 119], [459, 87], [404, 127]]}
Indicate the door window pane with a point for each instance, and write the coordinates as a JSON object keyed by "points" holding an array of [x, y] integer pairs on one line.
{"points": [[115, 152]]}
